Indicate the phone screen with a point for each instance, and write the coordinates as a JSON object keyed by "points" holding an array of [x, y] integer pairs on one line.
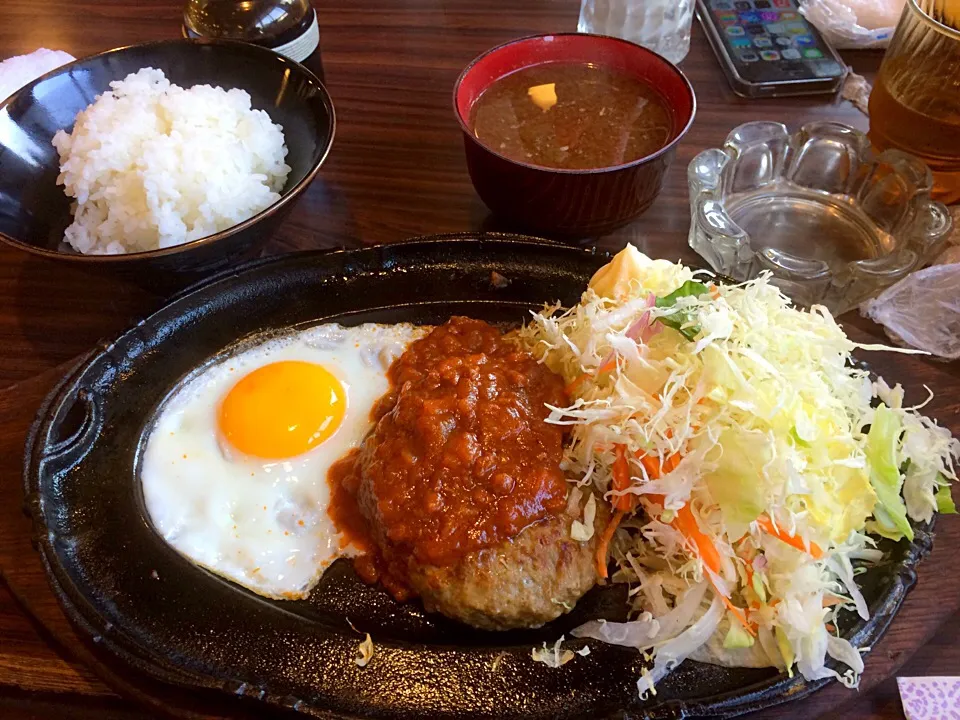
{"points": [[770, 41]]}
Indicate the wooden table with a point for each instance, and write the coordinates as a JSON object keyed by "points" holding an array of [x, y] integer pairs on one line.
{"points": [[396, 170]]}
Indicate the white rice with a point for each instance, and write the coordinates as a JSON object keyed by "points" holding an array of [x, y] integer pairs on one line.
{"points": [[151, 165]]}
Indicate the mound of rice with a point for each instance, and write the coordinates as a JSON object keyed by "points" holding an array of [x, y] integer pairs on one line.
{"points": [[151, 165]]}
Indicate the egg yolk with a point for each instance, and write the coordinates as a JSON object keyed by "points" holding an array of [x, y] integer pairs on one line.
{"points": [[282, 409]]}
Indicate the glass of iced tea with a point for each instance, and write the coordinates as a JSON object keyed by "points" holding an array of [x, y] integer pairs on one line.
{"points": [[915, 104]]}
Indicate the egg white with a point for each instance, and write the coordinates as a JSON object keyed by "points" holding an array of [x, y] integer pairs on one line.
{"points": [[261, 523]]}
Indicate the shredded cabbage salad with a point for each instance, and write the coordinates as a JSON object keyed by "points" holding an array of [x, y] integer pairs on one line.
{"points": [[747, 461]]}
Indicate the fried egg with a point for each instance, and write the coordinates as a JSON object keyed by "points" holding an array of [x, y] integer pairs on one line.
{"points": [[234, 470]]}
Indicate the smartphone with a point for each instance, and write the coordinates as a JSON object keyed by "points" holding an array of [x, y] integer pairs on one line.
{"points": [[768, 49]]}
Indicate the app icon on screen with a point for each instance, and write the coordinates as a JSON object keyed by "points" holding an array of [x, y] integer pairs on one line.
{"points": [[740, 42], [743, 5], [791, 54], [756, 29], [769, 16], [826, 68], [734, 31], [797, 27], [789, 16], [763, 41], [762, 4], [770, 55], [812, 54], [782, 3], [749, 56], [784, 41], [749, 18], [722, 5], [805, 41], [776, 29], [727, 18]]}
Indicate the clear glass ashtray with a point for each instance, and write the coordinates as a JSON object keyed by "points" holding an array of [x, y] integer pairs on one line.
{"points": [[831, 219]]}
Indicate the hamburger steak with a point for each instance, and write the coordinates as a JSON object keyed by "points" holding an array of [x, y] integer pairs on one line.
{"points": [[523, 582], [460, 484]]}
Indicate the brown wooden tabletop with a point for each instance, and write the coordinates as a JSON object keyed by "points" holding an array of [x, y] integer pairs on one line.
{"points": [[396, 170]]}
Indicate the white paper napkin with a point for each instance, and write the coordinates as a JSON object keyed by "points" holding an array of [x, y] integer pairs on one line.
{"points": [[17, 71]]}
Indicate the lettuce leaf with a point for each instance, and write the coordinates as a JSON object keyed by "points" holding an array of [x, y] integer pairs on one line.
{"points": [[677, 320], [736, 485], [737, 637], [881, 451], [945, 504]]}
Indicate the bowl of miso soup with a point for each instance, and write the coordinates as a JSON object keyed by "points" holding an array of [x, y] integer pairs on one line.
{"points": [[570, 135]]}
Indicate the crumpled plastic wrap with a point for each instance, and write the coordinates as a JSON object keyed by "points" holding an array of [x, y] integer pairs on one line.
{"points": [[17, 71], [854, 24], [922, 310], [857, 90]]}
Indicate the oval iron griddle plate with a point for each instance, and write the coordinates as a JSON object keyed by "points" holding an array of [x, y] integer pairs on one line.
{"points": [[189, 630]]}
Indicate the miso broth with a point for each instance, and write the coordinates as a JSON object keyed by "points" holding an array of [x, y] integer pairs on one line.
{"points": [[571, 116]]}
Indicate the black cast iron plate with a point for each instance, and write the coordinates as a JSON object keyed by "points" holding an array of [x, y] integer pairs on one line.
{"points": [[182, 627]]}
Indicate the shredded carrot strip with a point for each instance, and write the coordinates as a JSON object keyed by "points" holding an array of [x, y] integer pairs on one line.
{"points": [[627, 503], [686, 523], [766, 524], [604, 543], [670, 464], [575, 383], [621, 481], [651, 465], [741, 617], [607, 366], [656, 499], [738, 613], [830, 600]]}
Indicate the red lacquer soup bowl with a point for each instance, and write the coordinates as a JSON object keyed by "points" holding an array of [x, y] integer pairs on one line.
{"points": [[570, 203]]}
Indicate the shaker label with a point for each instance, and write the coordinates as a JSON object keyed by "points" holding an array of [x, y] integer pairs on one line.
{"points": [[302, 47]]}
